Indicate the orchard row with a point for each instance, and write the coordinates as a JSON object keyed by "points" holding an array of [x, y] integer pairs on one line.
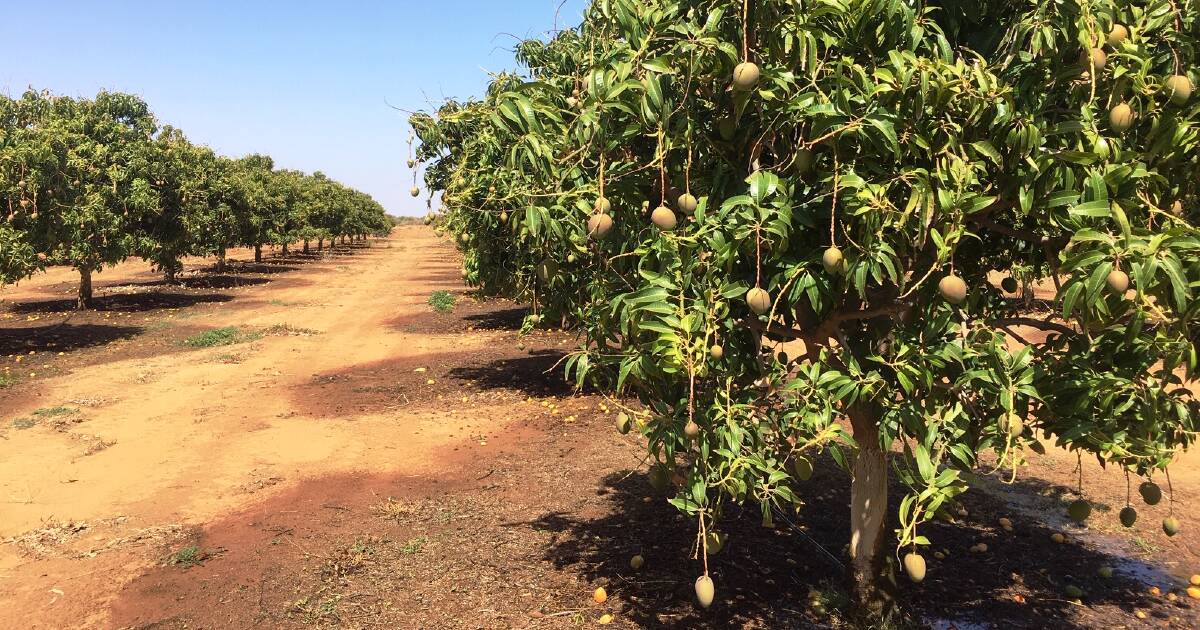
{"points": [[91, 182]]}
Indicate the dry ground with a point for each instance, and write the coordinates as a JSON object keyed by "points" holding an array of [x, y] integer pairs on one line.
{"points": [[356, 460]]}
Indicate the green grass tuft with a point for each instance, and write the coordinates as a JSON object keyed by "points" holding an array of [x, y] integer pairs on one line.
{"points": [[187, 557], [219, 337], [442, 301]]}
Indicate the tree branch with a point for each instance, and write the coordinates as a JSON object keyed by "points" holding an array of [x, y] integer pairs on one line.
{"points": [[1033, 323]]}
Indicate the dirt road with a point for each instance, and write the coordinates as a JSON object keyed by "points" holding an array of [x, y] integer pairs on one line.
{"points": [[358, 460], [193, 434]]}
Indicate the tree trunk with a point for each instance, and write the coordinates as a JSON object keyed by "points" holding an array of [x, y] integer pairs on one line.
{"points": [[169, 275], [84, 300], [306, 247], [258, 252], [221, 259], [868, 511], [285, 249], [320, 244]]}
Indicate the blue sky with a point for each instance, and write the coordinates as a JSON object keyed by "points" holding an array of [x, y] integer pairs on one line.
{"points": [[310, 83]]}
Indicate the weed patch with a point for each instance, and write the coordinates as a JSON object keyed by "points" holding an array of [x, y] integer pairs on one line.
{"points": [[226, 336], [442, 301], [189, 556]]}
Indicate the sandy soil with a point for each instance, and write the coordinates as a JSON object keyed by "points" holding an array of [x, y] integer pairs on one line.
{"points": [[360, 461]]}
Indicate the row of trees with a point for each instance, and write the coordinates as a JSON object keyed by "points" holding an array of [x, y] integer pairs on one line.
{"points": [[91, 182], [851, 178]]}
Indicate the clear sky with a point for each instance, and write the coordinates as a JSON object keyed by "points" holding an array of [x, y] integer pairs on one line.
{"points": [[312, 84]]}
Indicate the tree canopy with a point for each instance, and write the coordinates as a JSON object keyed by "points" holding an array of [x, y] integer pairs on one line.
{"points": [[791, 228], [90, 182]]}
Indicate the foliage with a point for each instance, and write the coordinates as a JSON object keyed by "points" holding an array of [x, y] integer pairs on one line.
{"points": [[923, 140], [226, 336], [442, 301], [90, 182]]}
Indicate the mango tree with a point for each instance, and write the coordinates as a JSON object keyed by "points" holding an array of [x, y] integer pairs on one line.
{"points": [[696, 184], [80, 167]]}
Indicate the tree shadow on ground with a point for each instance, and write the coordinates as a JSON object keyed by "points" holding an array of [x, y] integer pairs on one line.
{"points": [[62, 337], [205, 281], [505, 319], [266, 267], [539, 374], [122, 302], [791, 575]]}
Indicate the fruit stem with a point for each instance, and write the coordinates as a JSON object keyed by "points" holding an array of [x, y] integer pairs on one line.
{"points": [[745, 30], [1128, 491], [1170, 494]]}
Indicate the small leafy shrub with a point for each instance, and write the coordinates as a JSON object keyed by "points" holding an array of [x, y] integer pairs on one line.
{"points": [[219, 337], [442, 301]]}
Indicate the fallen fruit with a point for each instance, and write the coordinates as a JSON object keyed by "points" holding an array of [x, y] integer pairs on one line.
{"points": [[1079, 510], [745, 76], [1194, 580], [1150, 492], [1194, 592], [1128, 516], [1058, 538], [1105, 572], [1073, 591], [758, 300], [600, 595], [705, 590], [605, 619], [953, 289], [914, 566], [1006, 523], [1170, 526], [637, 562]]}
